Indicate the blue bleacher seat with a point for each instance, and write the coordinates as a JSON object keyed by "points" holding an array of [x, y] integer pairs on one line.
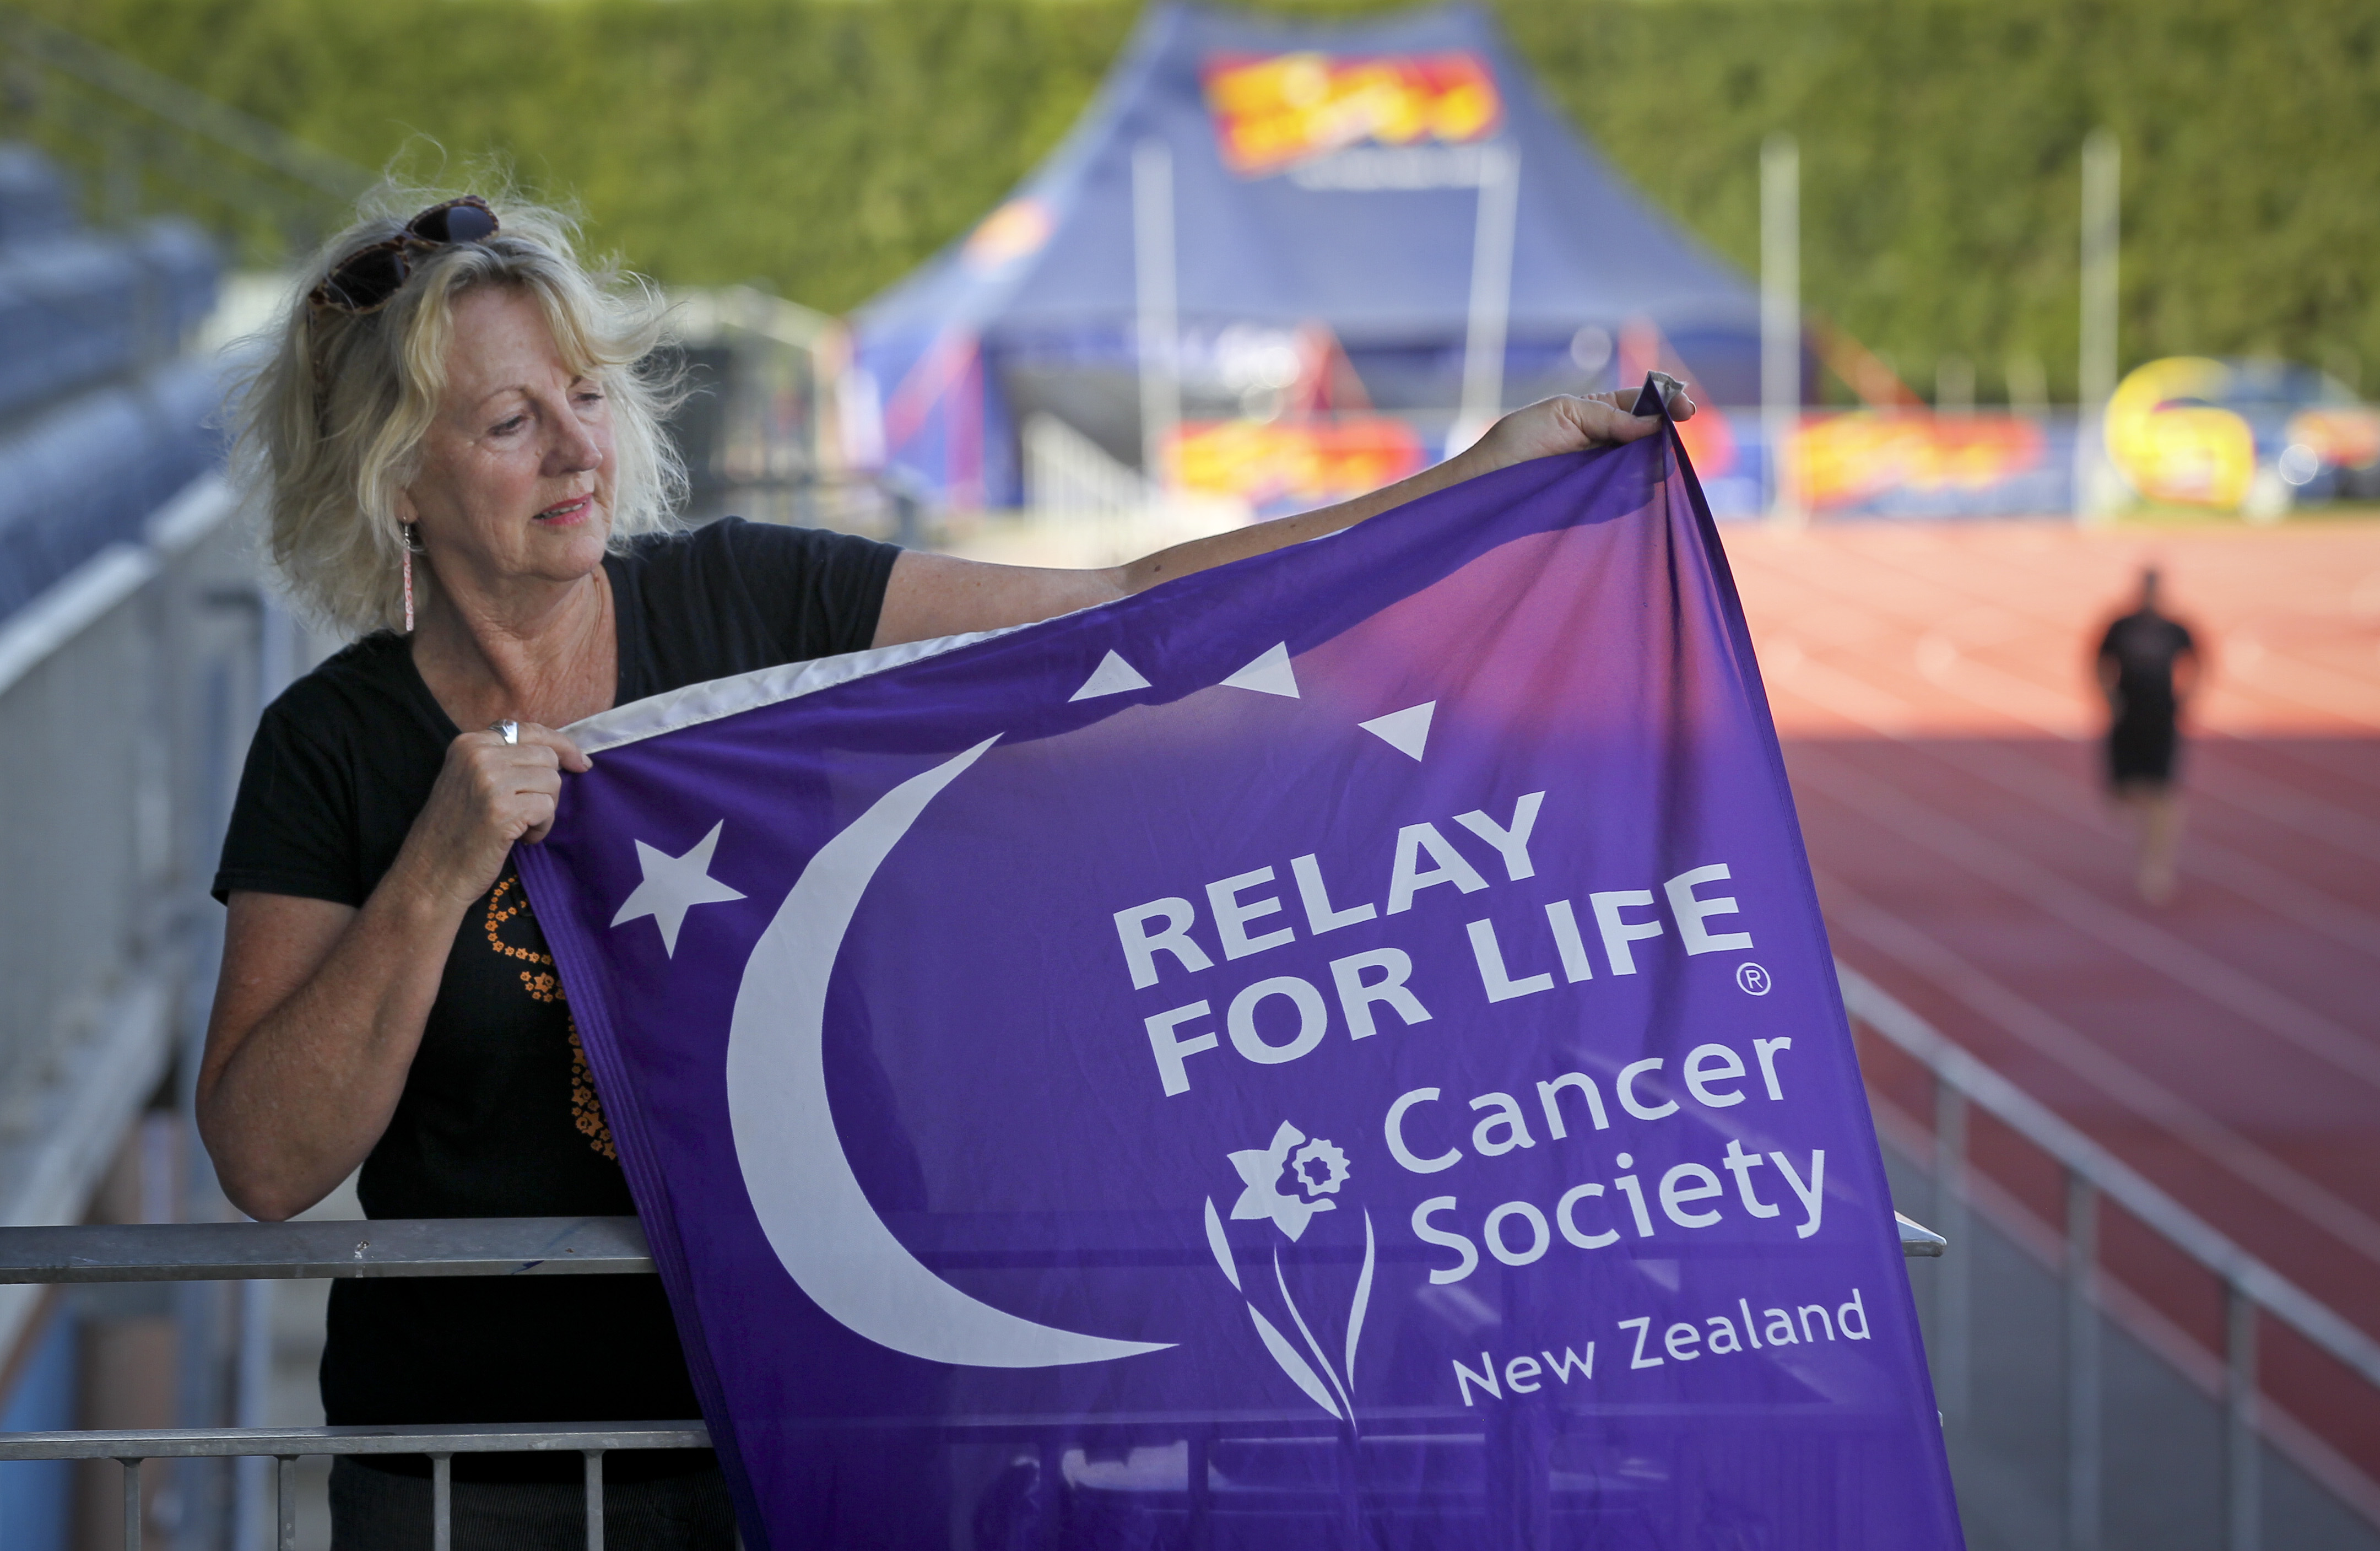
{"points": [[35, 199], [94, 434], [180, 266], [79, 306], [69, 314], [91, 472]]}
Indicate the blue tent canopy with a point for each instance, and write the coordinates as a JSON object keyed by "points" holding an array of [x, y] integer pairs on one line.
{"points": [[1286, 218]]}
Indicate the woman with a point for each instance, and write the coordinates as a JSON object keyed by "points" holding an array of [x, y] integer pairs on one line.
{"points": [[456, 437]]}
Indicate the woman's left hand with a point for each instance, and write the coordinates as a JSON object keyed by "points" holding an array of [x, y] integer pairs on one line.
{"points": [[1566, 424], [933, 595]]}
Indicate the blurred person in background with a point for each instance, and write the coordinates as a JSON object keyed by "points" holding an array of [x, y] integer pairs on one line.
{"points": [[456, 444], [2147, 666]]}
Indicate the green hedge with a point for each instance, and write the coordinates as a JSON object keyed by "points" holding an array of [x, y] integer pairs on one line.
{"points": [[824, 149], [1941, 160]]}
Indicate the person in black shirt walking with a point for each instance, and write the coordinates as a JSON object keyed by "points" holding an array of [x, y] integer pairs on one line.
{"points": [[2147, 666]]}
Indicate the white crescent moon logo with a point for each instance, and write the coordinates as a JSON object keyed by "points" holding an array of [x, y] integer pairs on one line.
{"points": [[809, 1203]]}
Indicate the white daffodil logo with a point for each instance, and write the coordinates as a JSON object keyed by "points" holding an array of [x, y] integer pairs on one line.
{"points": [[1288, 1182], [1318, 1169]]}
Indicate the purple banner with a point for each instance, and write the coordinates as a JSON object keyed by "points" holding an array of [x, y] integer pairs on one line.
{"points": [[1339, 1049]]}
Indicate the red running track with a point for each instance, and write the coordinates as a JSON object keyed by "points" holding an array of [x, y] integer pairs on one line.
{"points": [[1933, 690]]}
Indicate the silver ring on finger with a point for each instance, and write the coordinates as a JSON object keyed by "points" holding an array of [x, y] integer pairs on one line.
{"points": [[508, 731]]}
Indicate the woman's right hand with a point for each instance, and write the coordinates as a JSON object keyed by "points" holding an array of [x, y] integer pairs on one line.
{"points": [[489, 795], [320, 1007]]}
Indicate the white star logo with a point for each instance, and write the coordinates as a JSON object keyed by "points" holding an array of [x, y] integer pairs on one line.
{"points": [[674, 885]]}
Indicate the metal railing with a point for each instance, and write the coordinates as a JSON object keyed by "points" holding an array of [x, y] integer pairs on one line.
{"points": [[126, 693], [1068, 475], [2091, 1175], [147, 142], [287, 1445], [394, 1247], [383, 1247]]}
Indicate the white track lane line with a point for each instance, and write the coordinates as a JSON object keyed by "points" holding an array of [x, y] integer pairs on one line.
{"points": [[2254, 669], [2267, 887], [2045, 621], [2016, 686], [2278, 803], [2184, 964], [2053, 1038], [1942, 663], [1848, 695], [1845, 694], [2309, 752]]}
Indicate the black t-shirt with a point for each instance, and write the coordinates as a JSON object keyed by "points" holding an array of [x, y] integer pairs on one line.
{"points": [[2144, 645], [500, 1117]]}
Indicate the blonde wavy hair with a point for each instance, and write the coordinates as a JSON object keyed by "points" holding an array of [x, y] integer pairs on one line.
{"points": [[330, 421]]}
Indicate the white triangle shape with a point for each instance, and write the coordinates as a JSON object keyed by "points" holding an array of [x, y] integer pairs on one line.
{"points": [[1405, 731], [1268, 674], [1112, 676]]}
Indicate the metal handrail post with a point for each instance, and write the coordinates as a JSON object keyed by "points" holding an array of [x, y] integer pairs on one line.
{"points": [[1953, 1288], [594, 1499], [2243, 1475], [442, 1502], [284, 1485], [1199, 1533], [2082, 1397], [131, 1504], [252, 1379]]}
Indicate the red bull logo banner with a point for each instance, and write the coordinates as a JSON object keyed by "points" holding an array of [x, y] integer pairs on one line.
{"points": [[1273, 112], [1286, 465], [1877, 463]]}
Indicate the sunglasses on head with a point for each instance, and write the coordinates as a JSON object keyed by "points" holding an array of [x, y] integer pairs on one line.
{"points": [[367, 278]]}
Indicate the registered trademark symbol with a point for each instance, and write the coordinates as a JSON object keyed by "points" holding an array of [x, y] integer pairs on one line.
{"points": [[1753, 979]]}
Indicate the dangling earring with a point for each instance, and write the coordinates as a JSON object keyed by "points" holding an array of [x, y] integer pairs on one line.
{"points": [[407, 537]]}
